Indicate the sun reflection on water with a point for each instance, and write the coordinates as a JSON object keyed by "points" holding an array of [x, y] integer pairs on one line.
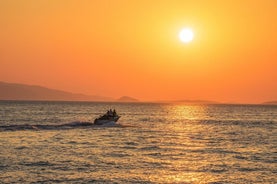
{"points": [[190, 112], [182, 139]]}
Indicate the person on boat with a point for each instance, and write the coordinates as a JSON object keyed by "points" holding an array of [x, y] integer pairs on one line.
{"points": [[111, 112], [114, 113]]}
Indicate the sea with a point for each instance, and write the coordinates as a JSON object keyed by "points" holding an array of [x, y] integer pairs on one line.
{"points": [[55, 142]]}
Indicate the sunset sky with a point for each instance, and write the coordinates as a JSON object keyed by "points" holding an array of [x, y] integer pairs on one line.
{"points": [[124, 47]]}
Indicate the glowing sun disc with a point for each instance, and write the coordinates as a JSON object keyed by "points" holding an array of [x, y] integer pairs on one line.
{"points": [[186, 35]]}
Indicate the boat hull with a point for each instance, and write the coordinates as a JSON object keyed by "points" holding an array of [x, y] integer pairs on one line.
{"points": [[111, 121]]}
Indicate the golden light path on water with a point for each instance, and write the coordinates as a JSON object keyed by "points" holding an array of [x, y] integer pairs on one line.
{"points": [[179, 138]]}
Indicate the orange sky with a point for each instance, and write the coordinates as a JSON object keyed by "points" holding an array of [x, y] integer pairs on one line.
{"points": [[123, 47]]}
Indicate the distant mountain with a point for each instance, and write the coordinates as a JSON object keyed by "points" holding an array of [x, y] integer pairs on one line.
{"points": [[127, 99], [13, 91], [271, 103]]}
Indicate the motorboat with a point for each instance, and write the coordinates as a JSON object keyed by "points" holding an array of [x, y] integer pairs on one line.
{"points": [[110, 118]]}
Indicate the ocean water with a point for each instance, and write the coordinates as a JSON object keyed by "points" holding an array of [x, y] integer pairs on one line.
{"points": [[53, 142]]}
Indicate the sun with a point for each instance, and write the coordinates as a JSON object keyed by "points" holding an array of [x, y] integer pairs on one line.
{"points": [[186, 35]]}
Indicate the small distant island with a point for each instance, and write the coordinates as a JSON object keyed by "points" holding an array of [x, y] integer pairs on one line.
{"points": [[127, 99], [270, 103]]}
